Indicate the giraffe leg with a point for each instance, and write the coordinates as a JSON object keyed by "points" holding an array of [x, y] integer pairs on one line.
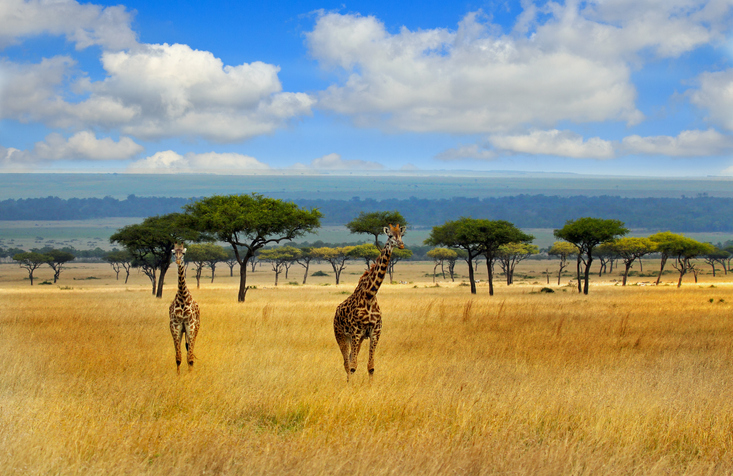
{"points": [[177, 333], [373, 341], [356, 341], [191, 331], [344, 346]]}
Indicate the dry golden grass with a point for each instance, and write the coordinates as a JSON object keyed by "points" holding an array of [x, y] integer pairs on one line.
{"points": [[631, 380]]}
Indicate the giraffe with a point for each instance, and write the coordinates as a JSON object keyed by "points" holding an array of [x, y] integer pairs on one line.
{"points": [[359, 317], [184, 313]]}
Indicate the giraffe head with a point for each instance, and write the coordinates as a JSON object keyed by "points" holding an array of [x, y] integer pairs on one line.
{"points": [[178, 251], [395, 234]]}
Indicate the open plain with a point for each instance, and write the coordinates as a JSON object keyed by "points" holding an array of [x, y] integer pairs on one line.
{"points": [[626, 380]]}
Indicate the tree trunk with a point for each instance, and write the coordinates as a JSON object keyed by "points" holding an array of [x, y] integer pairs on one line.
{"points": [[198, 278], [491, 275], [161, 279], [213, 270], [305, 275], [713, 265], [336, 272], [587, 273], [242, 280], [580, 285], [626, 273], [664, 261], [470, 276], [435, 268]]}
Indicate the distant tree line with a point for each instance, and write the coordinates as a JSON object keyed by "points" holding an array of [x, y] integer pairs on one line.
{"points": [[691, 214], [55, 208]]}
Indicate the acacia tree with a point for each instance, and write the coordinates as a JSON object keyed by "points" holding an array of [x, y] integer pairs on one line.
{"points": [[279, 257], [440, 256], [717, 256], [683, 250], [587, 233], [563, 250], [606, 254], [664, 241], [337, 257], [147, 265], [204, 255], [368, 252], [463, 234], [56, 260], [494, 235], [119, 260], [397, 256], [248, 223], [31, 260], [304, 259], [512, 253], [631, 249], [230, 261], [373, 223], [151, 243]]}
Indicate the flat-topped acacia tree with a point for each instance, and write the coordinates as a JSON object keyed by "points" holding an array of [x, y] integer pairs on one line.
{"points": [[249, 222], [373, 224], [151, 244], [586, 234]]}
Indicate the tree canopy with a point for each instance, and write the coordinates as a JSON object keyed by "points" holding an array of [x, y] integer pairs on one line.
{"points": [[248, 223], [31, 260], [631, 249], [152, 242], [586, 233], [477, 237], [205, 254], [336, 257], [279, 257], [57, 260], [373, 223], [463, 234]]}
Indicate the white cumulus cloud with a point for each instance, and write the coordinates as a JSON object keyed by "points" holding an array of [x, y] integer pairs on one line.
{"points": [[82, 146], [716, 95], [153, 92], [561, 62], [554, 142], [693, 143], [83, 24], [169, 161]]}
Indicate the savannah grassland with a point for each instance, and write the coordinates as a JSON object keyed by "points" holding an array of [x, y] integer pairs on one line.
{"points": [[633, 380]]}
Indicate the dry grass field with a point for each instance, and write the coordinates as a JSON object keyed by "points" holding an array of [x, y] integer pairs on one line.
{"points": [[633, 380]]}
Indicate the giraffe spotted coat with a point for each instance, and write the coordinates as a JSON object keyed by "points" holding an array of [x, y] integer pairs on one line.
{"points": [[184, 313], [359, 316]]}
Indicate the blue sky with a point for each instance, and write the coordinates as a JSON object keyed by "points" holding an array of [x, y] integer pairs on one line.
{"points": [[620, 87]]}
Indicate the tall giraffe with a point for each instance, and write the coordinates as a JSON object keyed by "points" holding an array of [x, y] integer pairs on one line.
{"points": [[359, 317], [184, 312]]}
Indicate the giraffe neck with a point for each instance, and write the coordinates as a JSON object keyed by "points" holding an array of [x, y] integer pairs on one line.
{"points": [[182, 289], [374, 279]]}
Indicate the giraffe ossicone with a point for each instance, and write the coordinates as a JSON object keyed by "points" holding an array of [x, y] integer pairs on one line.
{"points": [[184, 312], [359, 316]]}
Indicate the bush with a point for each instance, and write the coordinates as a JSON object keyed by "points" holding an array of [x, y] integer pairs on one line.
{"points": [[319, 273], [547, 290]]}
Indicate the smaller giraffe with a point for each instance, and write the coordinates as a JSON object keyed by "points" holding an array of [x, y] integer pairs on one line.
{"points": [[184, 312], [359, 316]]}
